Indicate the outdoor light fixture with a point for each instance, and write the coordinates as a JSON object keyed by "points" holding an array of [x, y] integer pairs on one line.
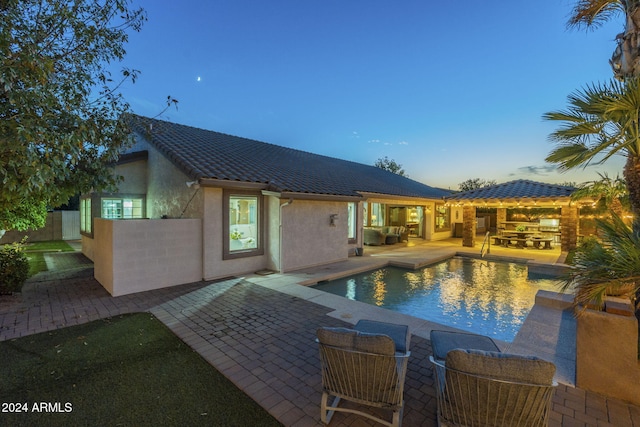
{"points": [[332, 219]]}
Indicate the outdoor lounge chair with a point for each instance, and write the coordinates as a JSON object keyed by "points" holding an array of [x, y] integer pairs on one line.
{"points": [[444, 341], [485, 388], [364, 368]]}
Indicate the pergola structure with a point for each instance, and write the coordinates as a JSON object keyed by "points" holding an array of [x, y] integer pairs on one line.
{"points": [[519, 194]]}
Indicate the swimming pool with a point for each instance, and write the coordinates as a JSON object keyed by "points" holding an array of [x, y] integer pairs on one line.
{"points": [[486, 297]]}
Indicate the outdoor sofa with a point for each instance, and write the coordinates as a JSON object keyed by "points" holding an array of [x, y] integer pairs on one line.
{"points": [[386, 235]]}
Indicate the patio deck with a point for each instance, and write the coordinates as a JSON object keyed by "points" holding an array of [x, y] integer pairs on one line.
{"points": [[260, 330]]}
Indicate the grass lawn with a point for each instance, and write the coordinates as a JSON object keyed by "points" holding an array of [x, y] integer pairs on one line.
{"points": [[35, 253], [125, 371]]}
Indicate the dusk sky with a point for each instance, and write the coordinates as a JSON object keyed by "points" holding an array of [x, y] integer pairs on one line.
{"points": [[450, 90]]}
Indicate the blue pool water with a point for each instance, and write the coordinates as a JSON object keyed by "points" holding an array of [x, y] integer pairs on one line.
{"points": [[485, 297]]}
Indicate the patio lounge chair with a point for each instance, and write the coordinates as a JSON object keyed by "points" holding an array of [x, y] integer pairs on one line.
{"points": [[364, 368], [444, 341], [485, 388]]}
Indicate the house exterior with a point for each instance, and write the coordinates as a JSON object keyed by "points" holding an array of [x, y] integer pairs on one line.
{"points": [[201, 205]]}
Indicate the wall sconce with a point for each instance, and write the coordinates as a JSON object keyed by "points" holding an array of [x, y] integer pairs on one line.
{"points": [[332, 219]]}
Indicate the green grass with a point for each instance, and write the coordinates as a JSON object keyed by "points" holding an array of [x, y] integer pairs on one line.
{"points": [[37, 263], [125, 371], [35, 253], [50, 246]]}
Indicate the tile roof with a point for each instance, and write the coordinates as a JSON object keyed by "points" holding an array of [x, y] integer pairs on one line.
{"points": [[518, 189], [207, 154]]}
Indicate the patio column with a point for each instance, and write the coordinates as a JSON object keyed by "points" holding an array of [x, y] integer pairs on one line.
{"points": [[501, 218], [469, 226], [569, 231]]}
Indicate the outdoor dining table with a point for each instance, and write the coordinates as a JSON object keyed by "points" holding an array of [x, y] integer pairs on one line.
{"points": [[519, 236]]}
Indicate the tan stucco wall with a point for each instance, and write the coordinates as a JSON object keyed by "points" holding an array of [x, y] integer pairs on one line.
{"points": [[164, 184], [102, 246], [308, 237], [607, 354], [89, 247], [140, 255], [168, 193], [134, 177]]}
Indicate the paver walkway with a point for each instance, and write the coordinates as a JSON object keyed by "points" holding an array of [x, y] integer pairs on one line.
{"points": [[262, 339]]}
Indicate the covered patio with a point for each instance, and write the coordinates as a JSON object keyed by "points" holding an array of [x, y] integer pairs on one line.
{"points": [[562, 225]]}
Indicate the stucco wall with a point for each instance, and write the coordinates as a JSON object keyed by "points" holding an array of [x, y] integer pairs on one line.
{"points": [[168, 193], [164, 184], [607, 351], [88, 247], [308, 237], [134, 177], [140, 255]]}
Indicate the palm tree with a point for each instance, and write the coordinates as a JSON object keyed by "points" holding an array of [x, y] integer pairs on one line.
{"points": [[608, 266], [612, 192], [602, 120], [625, 60]]}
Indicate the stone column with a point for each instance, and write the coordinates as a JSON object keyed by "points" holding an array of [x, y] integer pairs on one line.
{"points": [[501, 218], [569, 230], [469, 226]]}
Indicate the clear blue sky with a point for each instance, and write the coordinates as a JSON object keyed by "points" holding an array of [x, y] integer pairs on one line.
{"points": [[450, 90]]}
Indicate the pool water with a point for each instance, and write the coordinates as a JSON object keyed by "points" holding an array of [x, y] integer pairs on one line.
{"points": [[485, 297]]}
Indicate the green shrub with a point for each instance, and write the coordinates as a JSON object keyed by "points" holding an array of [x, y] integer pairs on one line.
{"points": [[14, 268], [588, 245]]}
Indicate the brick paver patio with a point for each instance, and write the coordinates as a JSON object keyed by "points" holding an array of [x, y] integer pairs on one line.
{"points": [[260, 338]]}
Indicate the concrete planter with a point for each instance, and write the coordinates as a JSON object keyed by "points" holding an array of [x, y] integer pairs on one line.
{"points": [[607, 351]]}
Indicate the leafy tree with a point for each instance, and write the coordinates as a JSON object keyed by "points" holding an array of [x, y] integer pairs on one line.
{"points": [[23, 216], [390, 165], [61, 114], [475, 183], [600, 122], [590, 14]]}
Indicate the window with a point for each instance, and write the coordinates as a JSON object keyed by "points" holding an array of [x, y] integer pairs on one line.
{"points": [[85, 216], [242, 225], [375, 216], [351, 220], [442, 217], [122, 208]]}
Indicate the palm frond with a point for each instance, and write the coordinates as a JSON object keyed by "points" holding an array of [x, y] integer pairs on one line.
{"points": [[607, 267], [569, 156], [602, 120], [594, 13]]}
